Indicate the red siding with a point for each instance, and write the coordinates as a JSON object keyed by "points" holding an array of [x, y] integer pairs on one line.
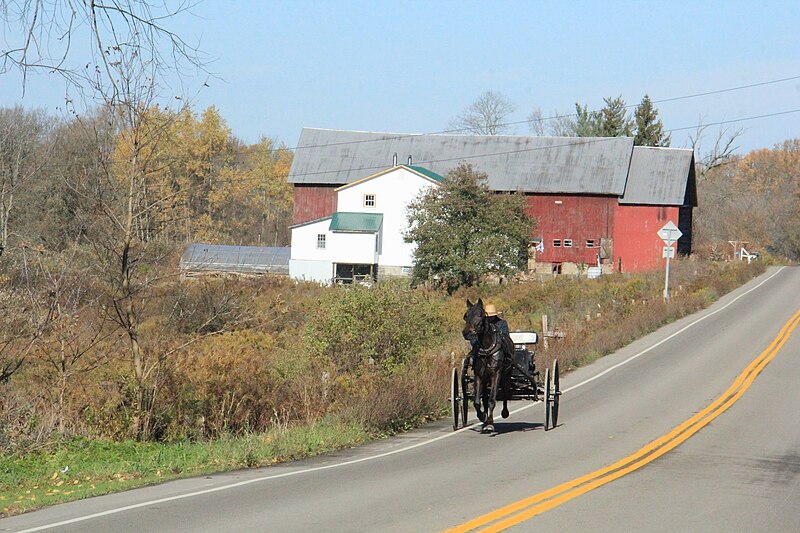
{"points": [[579, 218], [313, 201], [636, 242]]}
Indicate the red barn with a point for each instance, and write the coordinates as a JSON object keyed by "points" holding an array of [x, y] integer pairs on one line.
{"points": [[598, 201]]}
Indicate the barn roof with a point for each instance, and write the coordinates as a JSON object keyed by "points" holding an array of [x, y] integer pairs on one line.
{"points": [[661, 176], [241, 259], [573, 165]]}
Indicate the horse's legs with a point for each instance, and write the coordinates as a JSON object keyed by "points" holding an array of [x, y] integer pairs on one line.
{"points": [[505, 379], [476, 401], [494, 381]]}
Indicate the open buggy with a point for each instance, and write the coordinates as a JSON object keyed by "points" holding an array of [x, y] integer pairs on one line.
{"points": [[520, 380]]}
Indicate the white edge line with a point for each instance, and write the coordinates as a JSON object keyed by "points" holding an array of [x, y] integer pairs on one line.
{"points": [[385, 454]]}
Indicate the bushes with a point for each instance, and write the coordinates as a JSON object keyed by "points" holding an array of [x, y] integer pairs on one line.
{"points": [[232, 357], [387, 326]]}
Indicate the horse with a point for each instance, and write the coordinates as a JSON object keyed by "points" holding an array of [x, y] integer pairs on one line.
{"points": [[491, 348]]}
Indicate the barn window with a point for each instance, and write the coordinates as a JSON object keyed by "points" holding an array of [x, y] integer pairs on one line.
{"points": [[320, 241], [567, 243], [369, 200], [556, 243], [590, 243]]}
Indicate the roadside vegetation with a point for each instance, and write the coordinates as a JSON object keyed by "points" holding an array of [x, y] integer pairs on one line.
{"points": [[253, 372]]}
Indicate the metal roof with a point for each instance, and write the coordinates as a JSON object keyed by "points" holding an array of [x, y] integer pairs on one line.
{"points": [[576, 165], [661, 176], [356, 222], [242, 259], [425, 172]]}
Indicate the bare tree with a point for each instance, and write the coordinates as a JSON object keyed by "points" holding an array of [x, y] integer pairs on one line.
{"points": [[722, 151], [120, 54], [23, 152], [485, 116], [83, 41], [536, 122], [556, 125]]}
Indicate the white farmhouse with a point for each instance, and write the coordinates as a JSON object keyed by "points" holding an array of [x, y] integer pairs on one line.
{"points": [[363, 239]]}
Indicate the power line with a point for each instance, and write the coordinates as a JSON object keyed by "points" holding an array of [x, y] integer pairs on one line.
{"points": [[585, 140], [393, 137]]}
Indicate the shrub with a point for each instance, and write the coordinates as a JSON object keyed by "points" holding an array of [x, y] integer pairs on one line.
{"points": [[387, 326]]}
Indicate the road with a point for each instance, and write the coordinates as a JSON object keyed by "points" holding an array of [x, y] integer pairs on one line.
{"points": [[739, 470]]}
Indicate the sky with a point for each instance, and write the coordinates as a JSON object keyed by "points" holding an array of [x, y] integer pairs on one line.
{"points": [[411, 66]]}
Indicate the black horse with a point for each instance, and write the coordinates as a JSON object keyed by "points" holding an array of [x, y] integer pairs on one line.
{"points": [[490, 351]]}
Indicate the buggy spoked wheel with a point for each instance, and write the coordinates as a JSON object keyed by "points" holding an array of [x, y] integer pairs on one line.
{"points": [[547, 399], [464, 395], [556, 394], [454, 399]]}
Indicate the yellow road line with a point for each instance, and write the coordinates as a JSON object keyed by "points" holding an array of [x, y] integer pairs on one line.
{"points": [[527, 508]]}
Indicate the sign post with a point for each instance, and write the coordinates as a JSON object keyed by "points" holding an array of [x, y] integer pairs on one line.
{"points": [[669, 234]]}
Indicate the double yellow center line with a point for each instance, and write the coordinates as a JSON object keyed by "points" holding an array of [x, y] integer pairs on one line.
{"points": [[531, 506]]}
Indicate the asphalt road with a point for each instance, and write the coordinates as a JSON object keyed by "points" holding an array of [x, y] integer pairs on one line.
{"points": [[740, 471]]}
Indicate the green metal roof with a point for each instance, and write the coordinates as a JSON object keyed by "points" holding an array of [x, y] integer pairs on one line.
{"points": [[425, 172], [356, 222]]}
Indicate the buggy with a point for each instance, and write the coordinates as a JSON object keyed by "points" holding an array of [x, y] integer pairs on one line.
{"points": [[521, 380]]}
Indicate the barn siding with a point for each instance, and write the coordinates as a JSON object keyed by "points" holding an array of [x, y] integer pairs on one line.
{"points": [[313, 201], [579, 218], [637, 246]]}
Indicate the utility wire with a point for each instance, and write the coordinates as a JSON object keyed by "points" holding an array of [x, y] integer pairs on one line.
{"points": [[584, 140], [392, 137]]}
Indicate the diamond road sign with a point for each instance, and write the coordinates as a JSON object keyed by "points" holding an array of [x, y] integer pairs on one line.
{"points": [[670, 233]]}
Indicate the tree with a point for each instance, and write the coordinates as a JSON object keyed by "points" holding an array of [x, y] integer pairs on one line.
{"points": [[613, 119], [23, 152], [485, 116], [721, 154], [463, 231], [125, 55], [753, 198], [536, 122], [84, 42], [586, 122], [557, 124], [649, 128]]}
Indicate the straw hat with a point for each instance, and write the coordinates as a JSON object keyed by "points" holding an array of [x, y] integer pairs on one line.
{"points": [[490, 310]]}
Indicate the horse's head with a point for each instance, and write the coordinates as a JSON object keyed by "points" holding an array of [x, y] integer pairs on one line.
{"points": [[473, 319]]}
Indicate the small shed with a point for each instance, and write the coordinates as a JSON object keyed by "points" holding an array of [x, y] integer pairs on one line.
{"points": [[201, 258]]}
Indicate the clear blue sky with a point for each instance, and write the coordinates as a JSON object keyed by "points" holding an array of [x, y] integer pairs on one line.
{"points": [[412, 66]]}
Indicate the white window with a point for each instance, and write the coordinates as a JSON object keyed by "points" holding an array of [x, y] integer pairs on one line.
{"points": [[556, 243], [590, 243], [369, 200], [567, 243], [320, 241]]}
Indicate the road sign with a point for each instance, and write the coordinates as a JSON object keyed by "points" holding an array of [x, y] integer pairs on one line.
{"points": [[670, 233]]}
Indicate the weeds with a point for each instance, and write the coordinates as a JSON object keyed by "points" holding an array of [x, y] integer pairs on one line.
{"points": [[291, 370]]}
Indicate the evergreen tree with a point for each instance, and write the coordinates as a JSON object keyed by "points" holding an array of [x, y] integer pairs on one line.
{"points": [[649, 129], [586, 122], [613, 119]]}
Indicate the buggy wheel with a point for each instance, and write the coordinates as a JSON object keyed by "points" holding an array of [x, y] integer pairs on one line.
{"points": [[547, 399], [454, 399], [464, 395], [556, 393]]}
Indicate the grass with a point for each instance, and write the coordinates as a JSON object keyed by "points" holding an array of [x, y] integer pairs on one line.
{"points": [[80, 468]]}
